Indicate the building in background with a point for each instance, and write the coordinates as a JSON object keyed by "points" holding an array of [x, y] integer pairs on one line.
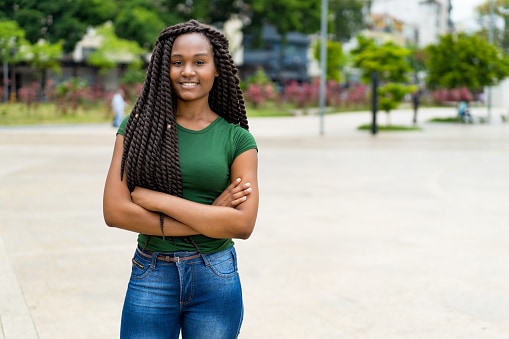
{"points": [[281, 62], [385, 27], [424, 20]]}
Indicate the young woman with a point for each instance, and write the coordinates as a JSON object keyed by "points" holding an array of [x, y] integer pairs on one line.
{"points": [[184, 176]]}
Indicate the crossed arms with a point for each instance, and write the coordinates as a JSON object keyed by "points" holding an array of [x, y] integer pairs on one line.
{"points": [[232, 215]]}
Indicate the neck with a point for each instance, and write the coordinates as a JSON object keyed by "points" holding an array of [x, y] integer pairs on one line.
{"points": [[193, 110], [194, 116]]}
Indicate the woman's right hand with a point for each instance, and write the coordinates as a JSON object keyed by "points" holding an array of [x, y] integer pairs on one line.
{"points": [[234, 195]]}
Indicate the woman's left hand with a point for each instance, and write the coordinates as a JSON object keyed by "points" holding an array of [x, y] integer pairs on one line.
{"points": [[234, 195]]}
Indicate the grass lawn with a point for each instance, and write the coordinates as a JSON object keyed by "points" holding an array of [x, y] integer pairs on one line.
{"points": [[47, 113], [13, 114], [390, 128], [453, 119]]}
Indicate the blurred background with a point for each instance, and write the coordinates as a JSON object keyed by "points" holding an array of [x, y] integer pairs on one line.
{"points": [[63, 60]]}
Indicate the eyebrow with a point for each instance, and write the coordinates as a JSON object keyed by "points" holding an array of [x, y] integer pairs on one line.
{"points": [[196, 55]]}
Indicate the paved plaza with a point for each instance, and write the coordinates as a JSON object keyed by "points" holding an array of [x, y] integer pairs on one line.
{"points": [[402, 235]]}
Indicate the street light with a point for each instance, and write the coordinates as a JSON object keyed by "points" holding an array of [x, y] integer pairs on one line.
{"points": [[6, 80], [9, 51], [490, 40], [323, 61]]}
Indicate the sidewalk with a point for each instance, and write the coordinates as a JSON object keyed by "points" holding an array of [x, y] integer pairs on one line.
{"points": [[397, 235]]}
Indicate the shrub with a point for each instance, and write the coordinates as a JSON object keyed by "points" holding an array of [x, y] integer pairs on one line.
{"points": [[259, 89], [72, 93], [28, 94]]}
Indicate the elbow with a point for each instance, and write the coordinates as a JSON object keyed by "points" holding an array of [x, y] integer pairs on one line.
{"points": [[114, 213], [110, 218], [245, 231], [244, 236]]}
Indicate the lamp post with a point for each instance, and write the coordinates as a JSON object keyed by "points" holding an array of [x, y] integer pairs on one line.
{"points": [[374, 102], [323, 62], [8, 52], [6, 80], [490, 39]]}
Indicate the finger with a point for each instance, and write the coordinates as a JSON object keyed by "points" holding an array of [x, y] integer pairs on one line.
{"points": [[241, 188], [235, 186], [239, 201], [234, 183], [242, 193]]}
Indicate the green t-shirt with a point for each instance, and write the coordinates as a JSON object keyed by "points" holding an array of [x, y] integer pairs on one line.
{"points": [[205, 160]]}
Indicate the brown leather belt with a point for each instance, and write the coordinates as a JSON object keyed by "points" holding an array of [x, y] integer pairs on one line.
{"points": [[168, 258]]}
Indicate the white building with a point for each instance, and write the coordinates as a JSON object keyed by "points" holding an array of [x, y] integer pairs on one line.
{"points": [[425, 20]]}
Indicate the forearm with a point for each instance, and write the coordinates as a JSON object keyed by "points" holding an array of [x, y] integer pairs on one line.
{"points": [[120, 211], [215, 221], [212, 221], [134, 218]]}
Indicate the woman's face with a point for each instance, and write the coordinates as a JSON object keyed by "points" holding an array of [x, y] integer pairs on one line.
{"points": [[192, 68]]}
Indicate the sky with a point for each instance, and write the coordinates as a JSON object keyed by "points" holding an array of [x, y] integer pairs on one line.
{"points": [[464, 10]]}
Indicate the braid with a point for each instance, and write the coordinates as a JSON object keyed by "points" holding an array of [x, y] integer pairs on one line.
{"points": [[151, 157]]}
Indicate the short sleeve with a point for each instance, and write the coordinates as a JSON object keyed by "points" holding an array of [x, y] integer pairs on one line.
{"points": [[243, 140], [121, 128]]}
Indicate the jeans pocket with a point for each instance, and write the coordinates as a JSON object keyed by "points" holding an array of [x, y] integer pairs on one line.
{"points": [[224, 265], [141, 266]]}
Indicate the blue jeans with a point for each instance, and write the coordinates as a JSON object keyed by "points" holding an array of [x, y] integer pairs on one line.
{"points": [[118, 117], [201, 297]]}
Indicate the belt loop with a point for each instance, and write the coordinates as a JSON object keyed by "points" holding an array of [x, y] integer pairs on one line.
{"points": [[205, 259], [153, 262]]}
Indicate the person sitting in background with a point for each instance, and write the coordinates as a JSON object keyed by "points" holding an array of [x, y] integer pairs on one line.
{"points": [[464, 112]]}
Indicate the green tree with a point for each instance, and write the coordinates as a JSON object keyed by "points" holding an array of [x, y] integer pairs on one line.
{"points": [[143, 20], [391, 94], [140, 21], [286, 16], [390, 62], [12, 46], [462, 60], [347, 18], [96, 12], [304, 18], [207, 11], [501, 14], [113, 50], [58, 20], [43, 56], [336, 59], [11, 38]]}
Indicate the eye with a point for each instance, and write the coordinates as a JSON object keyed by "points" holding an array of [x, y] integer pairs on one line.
{"points": [[200, 62], [177, 63]]}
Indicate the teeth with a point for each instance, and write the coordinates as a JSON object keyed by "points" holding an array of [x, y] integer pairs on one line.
{"points": [[189, 84]]}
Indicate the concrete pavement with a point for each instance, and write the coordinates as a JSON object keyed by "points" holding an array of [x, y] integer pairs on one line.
{"points": [[398, 235]]}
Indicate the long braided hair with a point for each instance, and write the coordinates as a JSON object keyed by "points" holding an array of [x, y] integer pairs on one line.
{"points": [[151, 157]]}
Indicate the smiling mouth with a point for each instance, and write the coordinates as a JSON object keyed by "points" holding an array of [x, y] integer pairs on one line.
{"points": [[188, 84]]}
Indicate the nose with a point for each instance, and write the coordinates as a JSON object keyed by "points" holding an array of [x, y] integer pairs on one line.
{"points": [[188, 70]]}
